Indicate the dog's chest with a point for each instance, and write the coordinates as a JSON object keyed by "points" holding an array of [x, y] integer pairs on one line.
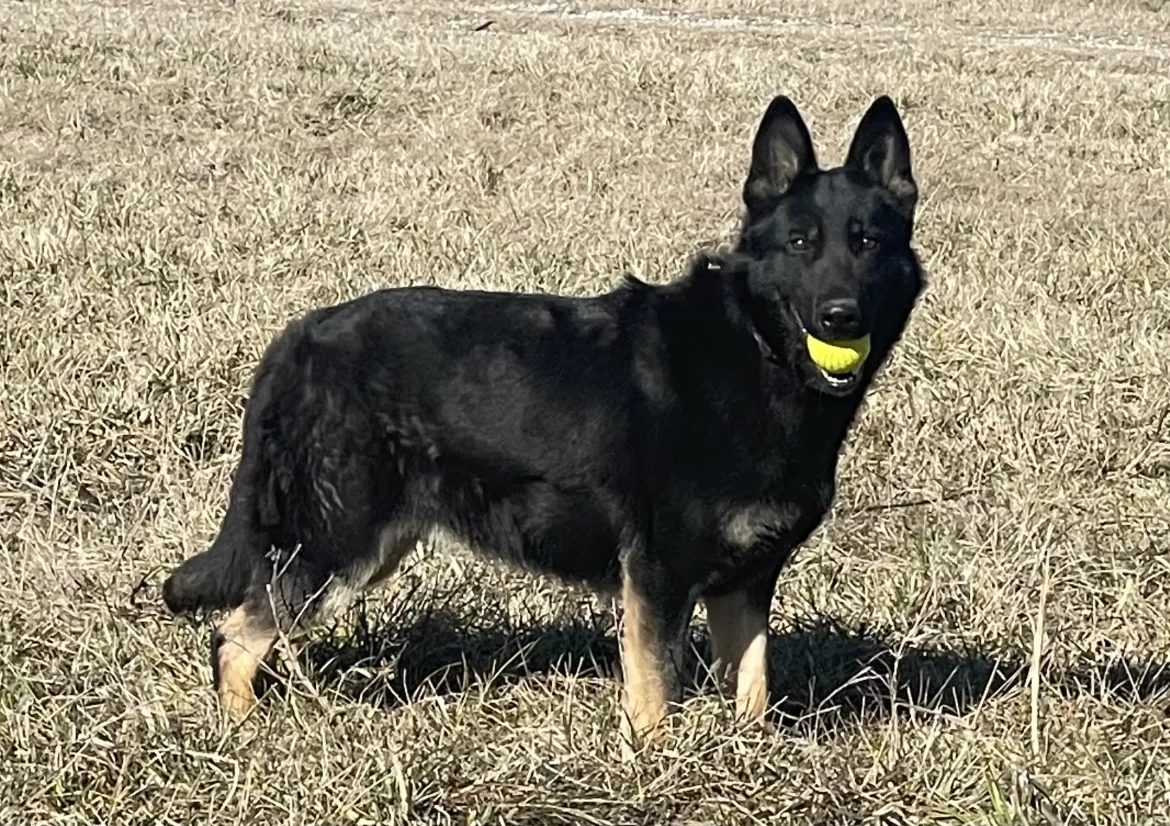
{"points": [[745, 526], [765, 531]]}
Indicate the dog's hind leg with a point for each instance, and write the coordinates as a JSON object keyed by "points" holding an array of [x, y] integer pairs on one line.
{"points": [[296, 597], [287, 597], [738, 623], [394, 542], [238, 647]]}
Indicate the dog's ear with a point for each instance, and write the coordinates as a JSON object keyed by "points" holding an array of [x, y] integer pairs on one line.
{"points": [[781, 153], [881, 150]]}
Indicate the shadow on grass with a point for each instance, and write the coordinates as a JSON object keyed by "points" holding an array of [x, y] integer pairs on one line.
{"points": [[822, 674]]}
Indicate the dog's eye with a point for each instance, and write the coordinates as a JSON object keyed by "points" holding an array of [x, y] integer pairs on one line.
{"points": [[868, 242], [798, 243]]}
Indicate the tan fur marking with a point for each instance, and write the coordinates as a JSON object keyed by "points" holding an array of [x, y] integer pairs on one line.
{"points": [[751, 686], [747, 525], [394, 544], [644, 695], [246, 642], [739, 642]]}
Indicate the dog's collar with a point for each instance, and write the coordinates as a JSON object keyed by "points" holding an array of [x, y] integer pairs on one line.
{"points": [[765, 350]]}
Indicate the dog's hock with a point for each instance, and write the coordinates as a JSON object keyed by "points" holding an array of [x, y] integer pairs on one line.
{"points": [[644, 702]]}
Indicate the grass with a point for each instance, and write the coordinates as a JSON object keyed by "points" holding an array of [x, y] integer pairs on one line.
{"points": [[178, 179]]}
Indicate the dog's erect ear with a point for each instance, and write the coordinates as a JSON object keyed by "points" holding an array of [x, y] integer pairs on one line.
{"points": [[781, 153], [881, 150]]}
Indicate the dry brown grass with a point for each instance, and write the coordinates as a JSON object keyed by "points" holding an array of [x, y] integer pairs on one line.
{"points": [[177, 180]]}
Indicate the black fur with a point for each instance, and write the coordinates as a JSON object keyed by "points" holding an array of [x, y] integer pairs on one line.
{"points": [[583, 436]]}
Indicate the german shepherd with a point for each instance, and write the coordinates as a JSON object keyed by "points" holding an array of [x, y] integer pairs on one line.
{"points": [[670, 443]]}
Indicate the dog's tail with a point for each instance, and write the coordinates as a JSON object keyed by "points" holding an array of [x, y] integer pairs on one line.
{"points": [[215, 578], [220, 576]]}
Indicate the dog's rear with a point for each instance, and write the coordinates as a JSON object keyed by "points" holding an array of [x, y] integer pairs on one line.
{"points": [[218, 577], [312, 507], [233, 572]]}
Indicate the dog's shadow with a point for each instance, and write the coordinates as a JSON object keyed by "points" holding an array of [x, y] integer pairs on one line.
{"points": [[821, 674]]}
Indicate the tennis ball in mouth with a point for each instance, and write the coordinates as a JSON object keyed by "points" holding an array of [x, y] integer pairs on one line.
{"points": [[838, 357]]}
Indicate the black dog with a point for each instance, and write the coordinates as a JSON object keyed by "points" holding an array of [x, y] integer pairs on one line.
{"points": [[671, 443]]}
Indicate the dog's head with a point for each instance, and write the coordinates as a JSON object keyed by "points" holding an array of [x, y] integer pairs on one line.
{"points": [[837, 276]]}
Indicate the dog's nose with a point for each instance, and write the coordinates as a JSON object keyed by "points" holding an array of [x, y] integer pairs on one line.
{"points": [[840, 318]]}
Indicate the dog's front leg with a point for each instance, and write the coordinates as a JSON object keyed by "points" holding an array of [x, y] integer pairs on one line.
{"points": [[655, 613], [738, 623]]}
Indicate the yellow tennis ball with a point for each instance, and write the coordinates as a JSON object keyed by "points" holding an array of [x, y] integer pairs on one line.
{"points": [[838, 357]]}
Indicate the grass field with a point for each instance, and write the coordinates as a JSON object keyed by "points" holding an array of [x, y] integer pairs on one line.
{"points": [[980, 632]]}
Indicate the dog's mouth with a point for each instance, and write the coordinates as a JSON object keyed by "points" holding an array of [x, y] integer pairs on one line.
{"points": [[837, 365], [843, 382]]}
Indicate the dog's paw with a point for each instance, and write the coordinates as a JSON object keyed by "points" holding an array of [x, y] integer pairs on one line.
{"points": [[238, 703]]}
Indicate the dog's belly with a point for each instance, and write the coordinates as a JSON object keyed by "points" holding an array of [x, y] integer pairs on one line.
{"points": [[582, 549], [569, 534]]}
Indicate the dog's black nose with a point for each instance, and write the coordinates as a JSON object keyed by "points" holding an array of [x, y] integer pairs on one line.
{"points": [[840, 318]]}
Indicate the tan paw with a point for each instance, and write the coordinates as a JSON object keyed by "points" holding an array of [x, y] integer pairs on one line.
{"points": [[237, 702]]}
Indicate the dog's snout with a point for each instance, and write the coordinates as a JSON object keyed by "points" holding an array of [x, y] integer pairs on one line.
{"points": [[839, 318]]}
